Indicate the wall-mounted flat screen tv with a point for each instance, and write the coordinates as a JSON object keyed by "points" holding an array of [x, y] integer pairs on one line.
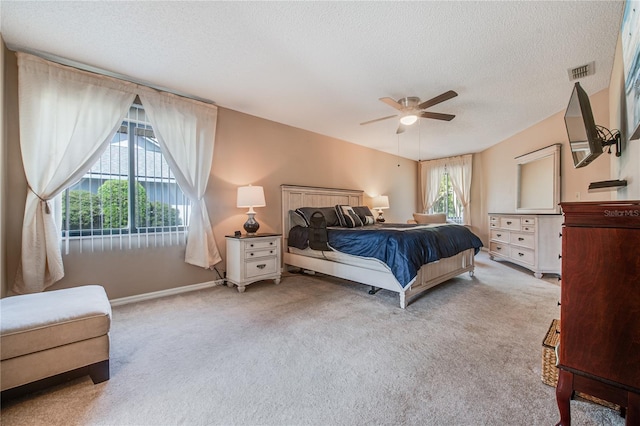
{"points": [[585, 143], [630, 36]]}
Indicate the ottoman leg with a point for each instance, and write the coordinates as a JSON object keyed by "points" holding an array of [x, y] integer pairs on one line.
{"points": [[99, 372]]}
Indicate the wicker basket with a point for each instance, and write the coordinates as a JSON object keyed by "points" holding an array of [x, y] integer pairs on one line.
{"points": [[550, 371]]}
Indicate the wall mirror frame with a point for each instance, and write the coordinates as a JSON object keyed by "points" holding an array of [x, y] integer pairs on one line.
{"points": [[538, 181]]}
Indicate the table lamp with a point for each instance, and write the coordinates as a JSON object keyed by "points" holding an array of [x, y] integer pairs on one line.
{"points": [[251, 196], [380, 202]]}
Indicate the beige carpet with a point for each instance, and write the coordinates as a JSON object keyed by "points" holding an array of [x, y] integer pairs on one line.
{"points": [[320, 351]]}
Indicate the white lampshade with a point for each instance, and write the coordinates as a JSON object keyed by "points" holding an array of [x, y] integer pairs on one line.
{"points": [[380, 202], [408, 119], [250, 196]]}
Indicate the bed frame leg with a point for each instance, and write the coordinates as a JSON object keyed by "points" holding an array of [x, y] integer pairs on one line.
{"points": [[403, 300], [374, 290]]}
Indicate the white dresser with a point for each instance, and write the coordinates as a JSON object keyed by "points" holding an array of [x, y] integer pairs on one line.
{"points": [[252, 258], [529, 240]]}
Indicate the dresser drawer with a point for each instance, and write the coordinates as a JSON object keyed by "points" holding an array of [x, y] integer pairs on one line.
{"points": [[522, 255], [499, 248], [510, 223], [257, 267], [530, 221], [522, 239], [500, 235], [528, 228]]}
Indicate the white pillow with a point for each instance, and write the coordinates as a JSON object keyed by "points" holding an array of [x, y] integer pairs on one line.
{"points": [[425, 219]]}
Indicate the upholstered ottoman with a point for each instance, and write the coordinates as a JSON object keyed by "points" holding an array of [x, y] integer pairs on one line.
{"points": [[45, 334]]}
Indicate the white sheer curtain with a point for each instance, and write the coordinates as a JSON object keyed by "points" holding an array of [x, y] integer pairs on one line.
{"points": [[459, 169], [67, 118], [186, 132], [431, 172]]}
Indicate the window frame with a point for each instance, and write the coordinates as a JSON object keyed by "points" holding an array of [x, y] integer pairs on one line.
{"points": [[133, 127], [448, 191]]}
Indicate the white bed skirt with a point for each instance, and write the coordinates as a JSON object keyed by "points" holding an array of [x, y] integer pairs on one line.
{"points": [[375, 273]]}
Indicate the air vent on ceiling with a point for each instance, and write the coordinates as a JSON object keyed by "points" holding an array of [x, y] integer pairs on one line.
{"points": [[582, 71]]}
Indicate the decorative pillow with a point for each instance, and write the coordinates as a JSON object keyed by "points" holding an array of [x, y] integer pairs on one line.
{"points": [[297, 219], [348, 218], [425, 219], [365, 215], [329, 214]]}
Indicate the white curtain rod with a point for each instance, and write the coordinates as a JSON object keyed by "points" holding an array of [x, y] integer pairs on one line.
{"points": [[96, 70]]}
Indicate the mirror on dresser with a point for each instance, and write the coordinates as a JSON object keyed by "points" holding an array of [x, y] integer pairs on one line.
{"points": [[538, 181]]}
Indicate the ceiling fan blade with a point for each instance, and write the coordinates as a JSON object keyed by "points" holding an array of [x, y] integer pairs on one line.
{"points": [[392, 103], [440, 98], [379, 119], [437, 116], [401, 129]]}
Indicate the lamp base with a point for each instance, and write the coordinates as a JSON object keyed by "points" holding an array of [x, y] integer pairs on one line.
{"points": [[380, 217], [251, 225]]}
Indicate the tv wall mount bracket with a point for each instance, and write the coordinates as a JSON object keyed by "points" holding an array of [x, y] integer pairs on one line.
{"points": [[609, 138]]}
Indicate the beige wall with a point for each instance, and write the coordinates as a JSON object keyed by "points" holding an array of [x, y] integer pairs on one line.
{"points": [[3, 272], [628, 165], [494, 184], [248, 150], [496, 166]]}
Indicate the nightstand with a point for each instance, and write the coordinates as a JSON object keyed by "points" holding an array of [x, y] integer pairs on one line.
{"points": [[252, 258]]}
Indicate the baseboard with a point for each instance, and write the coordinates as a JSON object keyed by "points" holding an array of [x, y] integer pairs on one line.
{"points": [[162, 293]]}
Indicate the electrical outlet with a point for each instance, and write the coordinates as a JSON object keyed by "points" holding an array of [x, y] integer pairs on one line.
{"points": [[578, 195]]}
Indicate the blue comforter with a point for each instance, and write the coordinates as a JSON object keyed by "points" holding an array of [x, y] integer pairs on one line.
{"points": [[403, 248]]}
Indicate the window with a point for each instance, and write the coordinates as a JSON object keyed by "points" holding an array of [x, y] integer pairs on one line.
{"points": [[130, 190], [447, 201]]}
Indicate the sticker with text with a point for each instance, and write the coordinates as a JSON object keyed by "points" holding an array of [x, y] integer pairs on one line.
{"points": [[621, 213]]}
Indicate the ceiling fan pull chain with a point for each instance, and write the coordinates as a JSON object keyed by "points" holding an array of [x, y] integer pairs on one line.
{"points": [[419, 142]]}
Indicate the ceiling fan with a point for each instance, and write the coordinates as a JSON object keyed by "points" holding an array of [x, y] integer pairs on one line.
{"points": [[411, 109]]}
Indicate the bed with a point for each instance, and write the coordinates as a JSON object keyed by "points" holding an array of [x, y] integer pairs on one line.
{"points": [[364, 270]]}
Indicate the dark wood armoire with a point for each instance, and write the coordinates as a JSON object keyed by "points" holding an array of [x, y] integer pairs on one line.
{"points": [[599, 352]]}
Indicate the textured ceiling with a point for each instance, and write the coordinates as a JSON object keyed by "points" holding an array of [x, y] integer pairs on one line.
{"points": [[321, 66]]}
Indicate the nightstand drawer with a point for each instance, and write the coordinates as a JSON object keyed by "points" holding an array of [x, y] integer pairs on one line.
{"points": [[259, 253], [257, 245], [257, 267]]}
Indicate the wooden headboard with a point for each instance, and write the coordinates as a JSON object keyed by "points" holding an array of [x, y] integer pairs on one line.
{"points": [[294, 196]]}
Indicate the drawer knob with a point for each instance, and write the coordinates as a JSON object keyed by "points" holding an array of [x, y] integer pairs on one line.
{"points": [[271, 243], [499, 235], [520, 254], [499, 248], [250, 245], [559, 256], [261, 266], [270, 251], [520, 239], [250, 254], [509, 223]]}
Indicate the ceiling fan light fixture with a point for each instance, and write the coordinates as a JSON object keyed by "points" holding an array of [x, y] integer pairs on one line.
{"points": [[408, 119]]}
